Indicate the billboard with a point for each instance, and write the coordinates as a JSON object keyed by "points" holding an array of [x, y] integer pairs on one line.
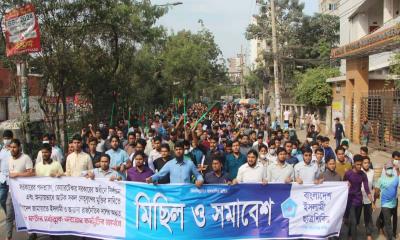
{"points": [[21, 31]]}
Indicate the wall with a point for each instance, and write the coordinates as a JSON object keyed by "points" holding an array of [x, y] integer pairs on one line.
{"points": [[35, 113]]}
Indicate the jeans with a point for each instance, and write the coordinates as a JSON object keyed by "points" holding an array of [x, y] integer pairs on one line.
{"points": [[338, 142], [380, 221], [351, 217], [3, 195], [367, 208], [10, 217], [387, 222]]}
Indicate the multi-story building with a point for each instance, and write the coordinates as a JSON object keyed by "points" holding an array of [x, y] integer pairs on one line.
{"points": [[235, 69], [369, 32], [257, 48], [329, 7]]}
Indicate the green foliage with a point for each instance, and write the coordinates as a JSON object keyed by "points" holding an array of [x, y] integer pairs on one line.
{"points": [[191, 63], [312, 89], [395, 69], [303, 41]]}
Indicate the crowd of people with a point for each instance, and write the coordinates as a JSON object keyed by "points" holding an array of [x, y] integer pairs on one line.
{"points": [[232, 144]]}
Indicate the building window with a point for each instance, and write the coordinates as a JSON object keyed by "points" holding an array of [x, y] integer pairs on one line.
{"points": [[332, 6]]}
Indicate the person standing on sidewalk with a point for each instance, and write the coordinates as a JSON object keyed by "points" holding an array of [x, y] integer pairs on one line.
{"points": [[386, 188], [5, 155], [19, 165], [339, 132], [356, 179]]}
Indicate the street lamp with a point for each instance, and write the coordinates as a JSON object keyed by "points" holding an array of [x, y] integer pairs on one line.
{"points": [[169, 4]]}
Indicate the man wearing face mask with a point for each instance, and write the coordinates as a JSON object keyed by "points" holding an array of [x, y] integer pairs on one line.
{"points": [[56, 155], [271, 156], [386, 188], [5, 155]]}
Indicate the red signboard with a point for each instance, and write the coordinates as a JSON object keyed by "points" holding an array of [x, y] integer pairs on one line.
{"points": [[21, 30]]}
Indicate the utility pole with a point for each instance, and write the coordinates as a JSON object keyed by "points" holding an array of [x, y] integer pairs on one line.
{"points": [[276, 70], [242, 90], [22, 73]]}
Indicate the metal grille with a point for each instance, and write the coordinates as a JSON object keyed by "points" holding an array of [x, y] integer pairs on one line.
{"points": [[382, 109]]}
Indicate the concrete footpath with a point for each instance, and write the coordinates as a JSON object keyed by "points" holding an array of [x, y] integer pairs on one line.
{"points": [[378, 159]]}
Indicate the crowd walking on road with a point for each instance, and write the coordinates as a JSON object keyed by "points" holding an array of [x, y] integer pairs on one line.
{"points": [[229, 144]]}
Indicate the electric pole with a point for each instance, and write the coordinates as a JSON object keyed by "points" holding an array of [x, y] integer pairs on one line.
{"points": [[276, 70]]}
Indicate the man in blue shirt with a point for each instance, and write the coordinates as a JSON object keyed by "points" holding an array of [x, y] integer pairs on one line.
{"points": [[387, 187], [179, 169], [118, 156], [329, 153], [234, 160]]}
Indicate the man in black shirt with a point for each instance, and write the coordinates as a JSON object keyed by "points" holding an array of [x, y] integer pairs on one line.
{"points": [[160, 162]]}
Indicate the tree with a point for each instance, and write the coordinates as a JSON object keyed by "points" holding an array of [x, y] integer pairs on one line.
{"points": [[395, 69], [191, 61], [312, 89], [303, 41]]}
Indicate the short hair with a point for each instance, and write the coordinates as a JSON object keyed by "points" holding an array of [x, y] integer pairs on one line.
{"points": [[229, 143], [16, 142], [288, 142], [358, 158], [262, 146], [319, 150], [179, 144], [279, 150], [313, 143], [330, 159], [8, 134], [366, 157], [46, 135], [307, 150], [157, 138], [142, 142], [217, 159], [93, 139], [214, 138], [139, 153], [114, 137], [395, 154], [340, 148], [106, 156], [325, 139], [46, 146], [235, 141], [165, 145], [186, 143], [132, 134], [252, 151], [364, 149], [77, 137]]}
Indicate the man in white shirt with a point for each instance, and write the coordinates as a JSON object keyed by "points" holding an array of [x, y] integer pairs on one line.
{"points": [[367, 205], [252, 171], [77, 161], [305, 172], [280, 172], [155, 153], [286, 116], [19, 165], [56, 154]]}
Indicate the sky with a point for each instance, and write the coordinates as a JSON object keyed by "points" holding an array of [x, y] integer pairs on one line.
{"points": [[226, 19]]}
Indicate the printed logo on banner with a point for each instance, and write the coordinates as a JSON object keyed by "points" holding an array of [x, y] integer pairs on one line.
{"points": [[289, 208]]}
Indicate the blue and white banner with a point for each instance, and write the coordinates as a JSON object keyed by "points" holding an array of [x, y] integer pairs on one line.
{"points": [[125, 210]]}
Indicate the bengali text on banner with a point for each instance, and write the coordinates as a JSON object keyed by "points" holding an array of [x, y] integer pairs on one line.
{"points": [[124, 210]]}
